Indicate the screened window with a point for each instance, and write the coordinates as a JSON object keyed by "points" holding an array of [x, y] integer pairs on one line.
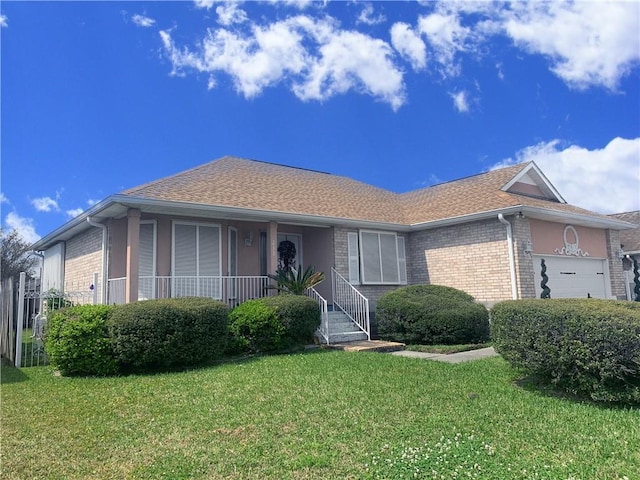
{"points": [[53, 268], [147, 261], [196, 260], [382, 258]]}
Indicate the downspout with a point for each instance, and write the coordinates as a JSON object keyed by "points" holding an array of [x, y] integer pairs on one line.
{"points": [[105, 239], [512, 261]]}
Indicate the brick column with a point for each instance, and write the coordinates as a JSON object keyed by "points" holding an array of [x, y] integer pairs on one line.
{"points": [[616, 274], [272, 251], [133, 247], [340, 251], [524, 261]]}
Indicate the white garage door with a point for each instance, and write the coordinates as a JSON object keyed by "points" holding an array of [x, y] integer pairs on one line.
{"points": [[571, 277]]}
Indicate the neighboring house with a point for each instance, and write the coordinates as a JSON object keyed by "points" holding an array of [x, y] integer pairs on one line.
{"points": [[215, 230], [630, 247]]}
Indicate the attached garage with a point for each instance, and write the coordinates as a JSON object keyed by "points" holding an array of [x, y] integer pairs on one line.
{"points": [[571, 277]]}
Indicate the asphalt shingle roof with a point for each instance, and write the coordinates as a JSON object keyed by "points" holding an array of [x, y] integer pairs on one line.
{"points": [[630, 239], [236, 182]]}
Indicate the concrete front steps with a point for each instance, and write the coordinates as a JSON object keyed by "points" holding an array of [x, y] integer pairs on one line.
{"points": [[342, 329], [369, 346], [346, 335]]}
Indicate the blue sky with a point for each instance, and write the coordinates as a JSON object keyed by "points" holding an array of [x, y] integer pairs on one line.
{"points": [[102, 96]]}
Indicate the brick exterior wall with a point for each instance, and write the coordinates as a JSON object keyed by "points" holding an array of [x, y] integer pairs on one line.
{"points": [[341, 264], [616, 273], [472, 257], [524, 261], [83, 258], [340, 251]]}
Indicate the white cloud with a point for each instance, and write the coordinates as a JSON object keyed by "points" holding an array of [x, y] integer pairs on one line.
{"points": [[368, 16], [91, 202], [23, 225], [409, 44], [313, 57], [45, 204], [351, 60], [74, 212], [446, 37], [4, 21], [588, 43], [4, 199], [602, 180], [229, 13], [299, 4], [460, 101], [204, 3], [143, 20]]}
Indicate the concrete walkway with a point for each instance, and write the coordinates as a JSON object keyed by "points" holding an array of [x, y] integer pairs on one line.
{"points": [[451, 357], [396, 348]]}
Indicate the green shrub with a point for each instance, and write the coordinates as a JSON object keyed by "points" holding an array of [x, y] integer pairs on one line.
{"points": [[55, 300], [431, 314], [587, 347], [298, 314], [160, 334], [77, 341], [255, 327], [273, 323]]}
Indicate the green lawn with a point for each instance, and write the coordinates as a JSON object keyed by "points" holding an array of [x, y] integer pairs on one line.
{"points": [[322, 415]]}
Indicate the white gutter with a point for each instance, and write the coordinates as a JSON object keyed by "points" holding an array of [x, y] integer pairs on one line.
{"points": [[512, 261], [105, 239]]}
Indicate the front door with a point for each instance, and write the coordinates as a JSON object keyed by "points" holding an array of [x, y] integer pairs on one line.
{"points": [[296, 239]]}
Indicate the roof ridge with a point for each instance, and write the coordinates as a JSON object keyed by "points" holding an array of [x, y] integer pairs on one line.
{"points": [[522, 165]]}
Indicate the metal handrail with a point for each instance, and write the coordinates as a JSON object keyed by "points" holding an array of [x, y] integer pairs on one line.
{"points": [[348, 299], [323, 330]]}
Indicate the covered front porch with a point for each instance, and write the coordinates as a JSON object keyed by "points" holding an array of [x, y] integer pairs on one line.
{"points": [[156, 256]]}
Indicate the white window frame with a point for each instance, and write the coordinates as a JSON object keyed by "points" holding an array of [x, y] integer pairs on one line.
{"points": [[400, 261], [154, 254], [173, 248], [353, 258], [53, 267]]}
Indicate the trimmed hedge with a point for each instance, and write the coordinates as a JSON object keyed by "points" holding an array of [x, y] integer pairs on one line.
{"points": [[298, 314], [255, 327], [273, 323], [431, 314], [177, 332], [588, 347], [77, 341]]}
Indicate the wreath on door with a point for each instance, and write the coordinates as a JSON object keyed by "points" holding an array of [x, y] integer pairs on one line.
{"points": [[286, 255]]}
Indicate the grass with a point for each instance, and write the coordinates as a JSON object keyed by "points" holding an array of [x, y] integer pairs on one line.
{"points": [[317, 415], [32, 353], [447, 349]]}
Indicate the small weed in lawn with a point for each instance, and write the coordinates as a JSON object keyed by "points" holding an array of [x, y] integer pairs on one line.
{"points": [[459, 456]]}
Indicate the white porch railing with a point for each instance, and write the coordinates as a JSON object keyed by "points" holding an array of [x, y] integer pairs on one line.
{"points": [[116, 291], [348, 299], [323, 330], [231, 290]]}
